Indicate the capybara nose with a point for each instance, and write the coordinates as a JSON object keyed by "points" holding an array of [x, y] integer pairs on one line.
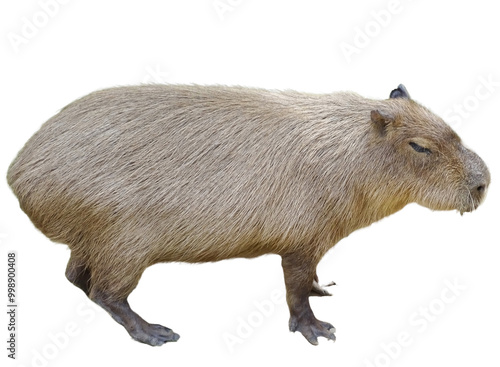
{"points": [[479, 175], [479, 183], [480, 188]]}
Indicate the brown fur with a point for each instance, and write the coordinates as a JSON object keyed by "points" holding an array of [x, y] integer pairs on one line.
{"points": [[128, 177]]}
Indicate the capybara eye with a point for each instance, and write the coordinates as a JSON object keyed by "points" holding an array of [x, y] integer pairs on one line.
{"points": [[419, 148]]}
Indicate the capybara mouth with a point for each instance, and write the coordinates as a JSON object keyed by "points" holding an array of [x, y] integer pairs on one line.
{"points": [[471, 201], [468, 209]]}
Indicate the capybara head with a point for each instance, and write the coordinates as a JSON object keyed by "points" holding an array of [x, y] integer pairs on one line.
{"points": [[433, 167]]}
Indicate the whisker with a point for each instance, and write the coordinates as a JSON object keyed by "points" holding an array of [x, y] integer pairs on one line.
{"points": [[471, 199]]}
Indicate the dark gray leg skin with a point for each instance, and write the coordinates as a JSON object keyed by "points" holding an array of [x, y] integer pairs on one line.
{"points": [[299, 275], [140, 330]]}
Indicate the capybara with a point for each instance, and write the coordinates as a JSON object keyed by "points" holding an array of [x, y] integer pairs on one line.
{"points": [[129, 177]]}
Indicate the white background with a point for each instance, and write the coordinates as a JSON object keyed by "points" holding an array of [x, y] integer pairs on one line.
{"points": [[392, 277]]}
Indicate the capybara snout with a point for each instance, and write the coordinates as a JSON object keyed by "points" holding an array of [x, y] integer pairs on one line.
{"points": [[132, 176], [477, 180]]}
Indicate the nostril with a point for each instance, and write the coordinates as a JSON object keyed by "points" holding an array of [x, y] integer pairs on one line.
{"points": [[480, 189]]}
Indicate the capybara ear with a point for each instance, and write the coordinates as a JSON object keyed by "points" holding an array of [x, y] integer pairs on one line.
{"points": [[400, 92], [381, 120]]}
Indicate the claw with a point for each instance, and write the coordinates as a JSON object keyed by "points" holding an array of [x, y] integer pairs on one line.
{"points": [[314, 329], [312, 339]]}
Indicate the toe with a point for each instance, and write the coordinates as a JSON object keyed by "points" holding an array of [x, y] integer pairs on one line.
{"points": [[311, 330], [311, 338], [328, 326], [155, 335]]}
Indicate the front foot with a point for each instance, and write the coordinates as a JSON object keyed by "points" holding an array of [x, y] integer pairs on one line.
{"points": [[312, 328], [153, 334]]}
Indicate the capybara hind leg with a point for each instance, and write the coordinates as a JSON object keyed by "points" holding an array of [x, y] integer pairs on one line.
{"points": [[138, 329], [299, 275], [78, 273]]}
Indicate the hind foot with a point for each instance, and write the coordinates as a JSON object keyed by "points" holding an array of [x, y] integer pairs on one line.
{"points": [[312, 328], [136, 326], [153, 334]]}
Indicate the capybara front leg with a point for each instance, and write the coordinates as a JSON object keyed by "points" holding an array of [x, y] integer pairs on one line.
{"points": [[140, 330], [299, 275]]}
